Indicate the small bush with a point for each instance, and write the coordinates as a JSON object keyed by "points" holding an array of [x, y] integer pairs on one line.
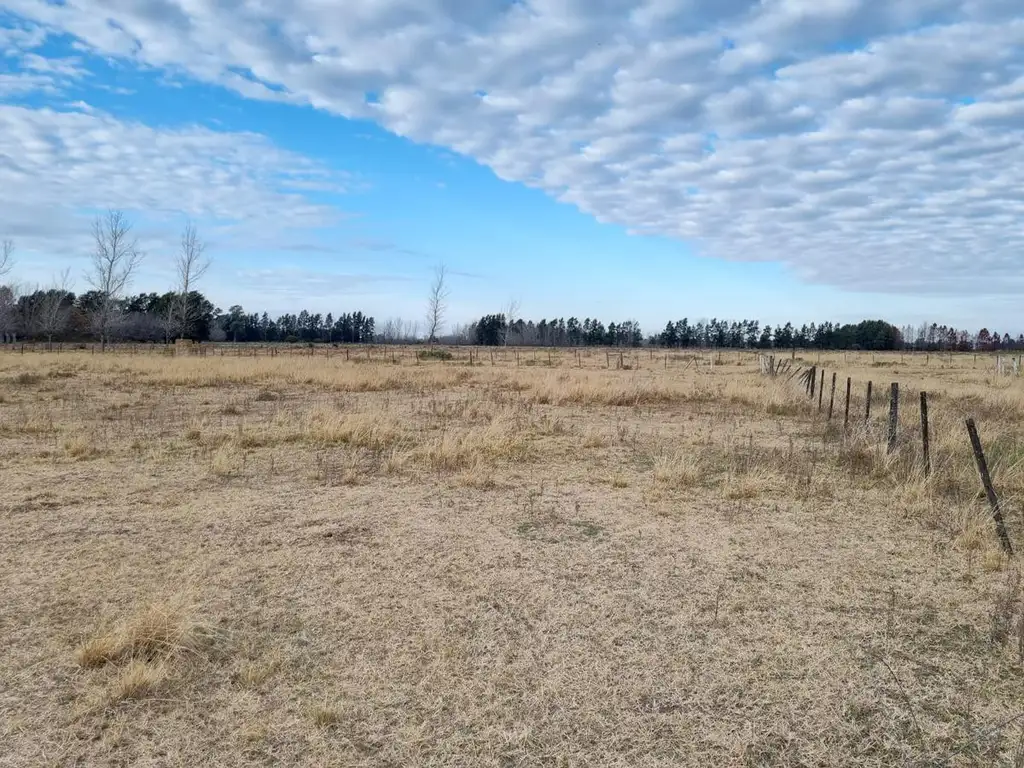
{"points": [[80, 447], [434, 354], [158, 631], [139, 679], [226, 461]]}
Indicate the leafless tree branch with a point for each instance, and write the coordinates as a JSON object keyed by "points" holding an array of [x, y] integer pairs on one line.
{"points": [[6, 256], [52, 310], [511, 312], [9, 312], [437, 303], [190, 264], [114, 261]]}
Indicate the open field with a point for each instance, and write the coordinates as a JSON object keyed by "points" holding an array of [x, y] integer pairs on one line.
{"points": [[307, 560]]}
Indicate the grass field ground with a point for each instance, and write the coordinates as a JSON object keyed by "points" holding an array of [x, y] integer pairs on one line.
{"points": [[290, 560]]}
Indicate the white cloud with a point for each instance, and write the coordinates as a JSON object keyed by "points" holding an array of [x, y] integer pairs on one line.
{"points": [[863, 143], [57, 166], [22, 83]]}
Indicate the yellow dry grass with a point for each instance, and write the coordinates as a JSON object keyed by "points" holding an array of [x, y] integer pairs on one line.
{"points": [[320, 561]]}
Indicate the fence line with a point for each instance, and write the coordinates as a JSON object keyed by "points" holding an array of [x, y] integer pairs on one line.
{"points": [[808, 378]]}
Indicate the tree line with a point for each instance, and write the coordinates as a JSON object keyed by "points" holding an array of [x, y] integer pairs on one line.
{"points": [[51, 315], [107, 312]]}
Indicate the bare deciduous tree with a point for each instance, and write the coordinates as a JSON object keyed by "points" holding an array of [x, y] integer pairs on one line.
{"points": [[52, 309], [511, 311], [6, 256], [437, 303], [9, 313], [191, 264], [8, 294], [114, 261]]}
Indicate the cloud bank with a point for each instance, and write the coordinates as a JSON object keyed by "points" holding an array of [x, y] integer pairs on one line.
{"points": [[864, 143]]}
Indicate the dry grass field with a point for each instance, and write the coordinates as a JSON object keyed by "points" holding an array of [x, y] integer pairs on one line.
{"points": [[309, 561]]}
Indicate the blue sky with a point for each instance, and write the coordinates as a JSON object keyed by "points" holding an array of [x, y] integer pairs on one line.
{"points": [[835, 159]]}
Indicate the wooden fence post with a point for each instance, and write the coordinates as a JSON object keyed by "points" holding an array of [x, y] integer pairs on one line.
{"points": [[894, 414], [986, 480], [867, 407], [832, 397], [846, 418], [821, 389], [924, 434]]}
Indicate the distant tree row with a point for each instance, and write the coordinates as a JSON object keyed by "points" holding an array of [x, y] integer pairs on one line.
{"points": [[59, 315], [107, 313], [750, 334], [496, 330], [942, 338]]}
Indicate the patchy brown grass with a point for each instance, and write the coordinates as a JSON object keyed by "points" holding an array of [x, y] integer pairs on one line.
{"points": [[562, 562]]}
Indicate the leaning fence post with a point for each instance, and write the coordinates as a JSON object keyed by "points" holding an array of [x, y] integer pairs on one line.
{"points": [[821, 389], [894, 414], [846, 418], [986, 480], [832, 397], [867, 407], [924, 434]]}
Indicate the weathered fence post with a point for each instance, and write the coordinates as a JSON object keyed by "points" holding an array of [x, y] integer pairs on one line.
{"points": [[832, 397], [924, 434], [894, 414], [986, 480], [821, 389], [867, 407], [846, 417]]}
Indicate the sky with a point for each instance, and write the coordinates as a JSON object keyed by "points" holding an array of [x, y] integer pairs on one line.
{"points": [[800, 160]]}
